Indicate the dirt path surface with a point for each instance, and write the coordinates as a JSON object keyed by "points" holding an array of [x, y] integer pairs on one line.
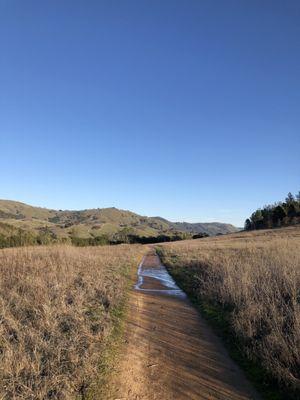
{"points": [[169, 351]]}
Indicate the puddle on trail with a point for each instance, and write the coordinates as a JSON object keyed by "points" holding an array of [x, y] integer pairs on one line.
{"points": [[156, 279]]}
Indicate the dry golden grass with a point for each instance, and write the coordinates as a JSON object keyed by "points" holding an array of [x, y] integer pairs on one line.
{"points": [[255, 278], [58, 307]]}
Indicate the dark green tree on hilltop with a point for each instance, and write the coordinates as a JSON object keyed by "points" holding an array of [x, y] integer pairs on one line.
{"points": [[289, 199], [279, 214], [248, 225], [257, 219]]}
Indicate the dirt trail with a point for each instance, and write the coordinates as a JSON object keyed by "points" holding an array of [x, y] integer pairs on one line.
{"points": [[169, 351]]}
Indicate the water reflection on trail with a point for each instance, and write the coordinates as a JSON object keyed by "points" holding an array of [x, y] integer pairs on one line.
{"points": [[170, 352], [156, 279]]}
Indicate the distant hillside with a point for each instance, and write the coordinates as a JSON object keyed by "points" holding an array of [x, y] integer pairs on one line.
{"points": [[211, 228], [92, 223]]}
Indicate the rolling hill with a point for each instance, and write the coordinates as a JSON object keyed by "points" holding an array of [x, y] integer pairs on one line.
{"points": [[93, 223]]}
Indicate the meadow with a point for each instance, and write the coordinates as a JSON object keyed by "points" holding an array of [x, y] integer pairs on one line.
{"points": [[59, 306], [249, 284]]}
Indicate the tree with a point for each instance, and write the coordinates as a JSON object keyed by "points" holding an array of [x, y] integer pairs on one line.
{"points": [[291, 210], [46, 236], [278, 214], [200, 235], [123, 236], [267, 216], [248, 225], [289, 199], [257, 219]]}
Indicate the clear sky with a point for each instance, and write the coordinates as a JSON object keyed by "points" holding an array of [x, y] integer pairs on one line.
{"points": [[185, 109]]}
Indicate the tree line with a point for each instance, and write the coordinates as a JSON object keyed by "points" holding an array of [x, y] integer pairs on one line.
{"points": [[26, 238], [283, 213], [45, 236], [126, 236]]}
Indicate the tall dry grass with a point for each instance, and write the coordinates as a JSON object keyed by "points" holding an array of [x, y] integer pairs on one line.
{"points": [[57, 307], [255, 278]]}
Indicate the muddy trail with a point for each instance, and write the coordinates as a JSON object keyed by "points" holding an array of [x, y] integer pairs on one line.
{"points": [[169, 351]]}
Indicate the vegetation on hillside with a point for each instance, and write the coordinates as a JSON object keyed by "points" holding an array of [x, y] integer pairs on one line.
{"points": [[59, 306], [250, 283], [209, 228], [276, 215], [21, 224], [20, 237]]}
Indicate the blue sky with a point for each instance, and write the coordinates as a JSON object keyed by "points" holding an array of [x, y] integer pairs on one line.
{"points": [[184, 109]]}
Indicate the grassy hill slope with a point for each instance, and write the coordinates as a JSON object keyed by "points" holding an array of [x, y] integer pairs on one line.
{"points": [[93, 223], [212, 228]]}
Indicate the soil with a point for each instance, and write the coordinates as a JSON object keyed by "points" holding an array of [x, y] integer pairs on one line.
{"points": [[169, 351]]}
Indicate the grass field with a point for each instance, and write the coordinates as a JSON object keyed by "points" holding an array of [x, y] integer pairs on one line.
{"points": [[59, 305], [250, 282]]}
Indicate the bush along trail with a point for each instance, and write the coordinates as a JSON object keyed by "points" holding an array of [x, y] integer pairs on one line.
{"points": [[169, 351]]}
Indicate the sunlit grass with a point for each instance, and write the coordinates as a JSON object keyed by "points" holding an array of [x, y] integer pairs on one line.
{"points": [[59, 305], [255, 278]]}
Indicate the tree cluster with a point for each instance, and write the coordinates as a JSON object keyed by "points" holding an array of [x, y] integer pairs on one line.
{"points": [[25, 238], [283, 213]]}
